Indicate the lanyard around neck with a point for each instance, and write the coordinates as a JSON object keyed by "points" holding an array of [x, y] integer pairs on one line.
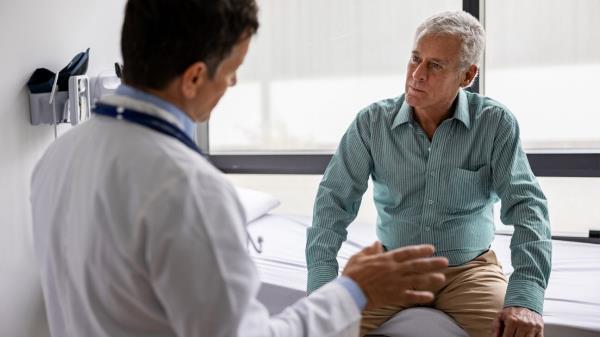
{"points": [[149, 121]]}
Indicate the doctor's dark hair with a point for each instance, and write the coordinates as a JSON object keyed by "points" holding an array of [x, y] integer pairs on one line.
{"points": [[162, 38]]}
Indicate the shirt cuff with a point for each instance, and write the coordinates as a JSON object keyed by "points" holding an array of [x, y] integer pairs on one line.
{"points": [[319, 276], [526, 294], [357, 294]]}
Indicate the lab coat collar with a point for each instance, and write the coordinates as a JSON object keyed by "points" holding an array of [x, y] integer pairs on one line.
{"points": [[184, 121]]}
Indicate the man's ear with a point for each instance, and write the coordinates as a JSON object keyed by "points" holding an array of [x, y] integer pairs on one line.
{"points": [[193, 78], [469, 75]]}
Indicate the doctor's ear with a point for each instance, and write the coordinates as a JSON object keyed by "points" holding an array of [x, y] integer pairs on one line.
{"points": [[193, 78]]}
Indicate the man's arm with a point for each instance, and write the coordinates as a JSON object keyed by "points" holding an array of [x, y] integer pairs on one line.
{"points": [[337, 202], [524, 206]]}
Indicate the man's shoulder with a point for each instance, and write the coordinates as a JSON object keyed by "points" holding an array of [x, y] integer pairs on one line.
{"points": [[488, 108], [382, 111], [385, 105]]}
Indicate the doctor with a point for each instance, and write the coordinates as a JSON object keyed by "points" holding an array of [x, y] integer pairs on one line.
{"points": [[137, 234]]}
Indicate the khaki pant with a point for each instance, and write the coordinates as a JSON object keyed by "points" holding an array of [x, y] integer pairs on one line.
{"points": [[473, 294]]}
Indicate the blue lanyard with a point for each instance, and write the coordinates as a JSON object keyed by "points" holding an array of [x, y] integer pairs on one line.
{"points": [[149, 121]]}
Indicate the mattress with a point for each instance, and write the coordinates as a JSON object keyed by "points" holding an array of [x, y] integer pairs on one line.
{"points": [[571, 306]]}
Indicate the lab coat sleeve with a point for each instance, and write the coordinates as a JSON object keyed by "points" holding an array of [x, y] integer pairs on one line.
{"points": [[205, 280], [329, 311]]}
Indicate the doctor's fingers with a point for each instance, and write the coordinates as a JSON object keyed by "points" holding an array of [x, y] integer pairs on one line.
{"points": [[412, 289], [410, 252], [365, 255], [384, 268], [373, 249], [421, 265], [428, 282], [374, 254], [413, 297], [381, 296]]}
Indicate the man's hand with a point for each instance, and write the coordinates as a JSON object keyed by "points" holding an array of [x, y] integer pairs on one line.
{"points": [[518, 322], [405, 275]]}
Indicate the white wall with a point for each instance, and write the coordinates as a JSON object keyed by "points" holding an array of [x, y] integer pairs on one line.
{"points": [[572, 202], [297, 193], [33, 34]]}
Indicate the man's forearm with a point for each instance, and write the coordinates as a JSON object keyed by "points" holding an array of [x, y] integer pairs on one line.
{"points": [[321, 252], [531, 261]]}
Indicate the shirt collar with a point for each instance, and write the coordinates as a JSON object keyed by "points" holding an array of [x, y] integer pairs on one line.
{"points": [[404, 115], [461, 112], [462, 109], [189, 126]]}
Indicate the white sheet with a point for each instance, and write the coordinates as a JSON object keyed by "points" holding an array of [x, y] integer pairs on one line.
{"points": [[571, 308]]}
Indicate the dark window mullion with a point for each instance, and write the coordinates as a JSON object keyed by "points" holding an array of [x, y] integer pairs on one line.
{"points": [[472, 7]]}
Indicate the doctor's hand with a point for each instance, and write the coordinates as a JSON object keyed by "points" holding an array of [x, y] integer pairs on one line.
{"points": [[405, 275], [518, 322]]}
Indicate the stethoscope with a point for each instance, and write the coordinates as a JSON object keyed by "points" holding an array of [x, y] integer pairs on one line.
{"points": [[166, 128]]}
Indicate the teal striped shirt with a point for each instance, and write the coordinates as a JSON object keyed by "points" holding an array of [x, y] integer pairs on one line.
{"points": [[439, 192]]}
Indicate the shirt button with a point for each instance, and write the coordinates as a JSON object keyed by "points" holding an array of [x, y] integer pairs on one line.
{"points": [[430, 202], [429, 148], [427, 228], [432, 174]]}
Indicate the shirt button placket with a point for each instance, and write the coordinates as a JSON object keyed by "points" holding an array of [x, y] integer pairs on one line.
{"points": [[428, 216]]}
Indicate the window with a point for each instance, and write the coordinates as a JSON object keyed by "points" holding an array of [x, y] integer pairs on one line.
{"points": [[543, 63], [313, 65]]}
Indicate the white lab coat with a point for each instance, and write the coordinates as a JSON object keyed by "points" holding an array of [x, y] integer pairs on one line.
{"points": [[138, 235]]}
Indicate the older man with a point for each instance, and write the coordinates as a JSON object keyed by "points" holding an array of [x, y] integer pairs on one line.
{"points": [[439, 158]]}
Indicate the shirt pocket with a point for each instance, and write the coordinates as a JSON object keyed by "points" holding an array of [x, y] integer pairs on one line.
{"points": [[467, 190]]}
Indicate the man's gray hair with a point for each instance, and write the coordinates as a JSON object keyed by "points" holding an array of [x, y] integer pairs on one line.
{"points": [[462, 25]]}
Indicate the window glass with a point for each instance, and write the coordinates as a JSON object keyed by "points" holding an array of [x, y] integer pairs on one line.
{"points": [[313, 65], [543, 63]]}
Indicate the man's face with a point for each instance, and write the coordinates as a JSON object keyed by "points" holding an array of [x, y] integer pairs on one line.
{"points": [[433, 76], [224, 77]]}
